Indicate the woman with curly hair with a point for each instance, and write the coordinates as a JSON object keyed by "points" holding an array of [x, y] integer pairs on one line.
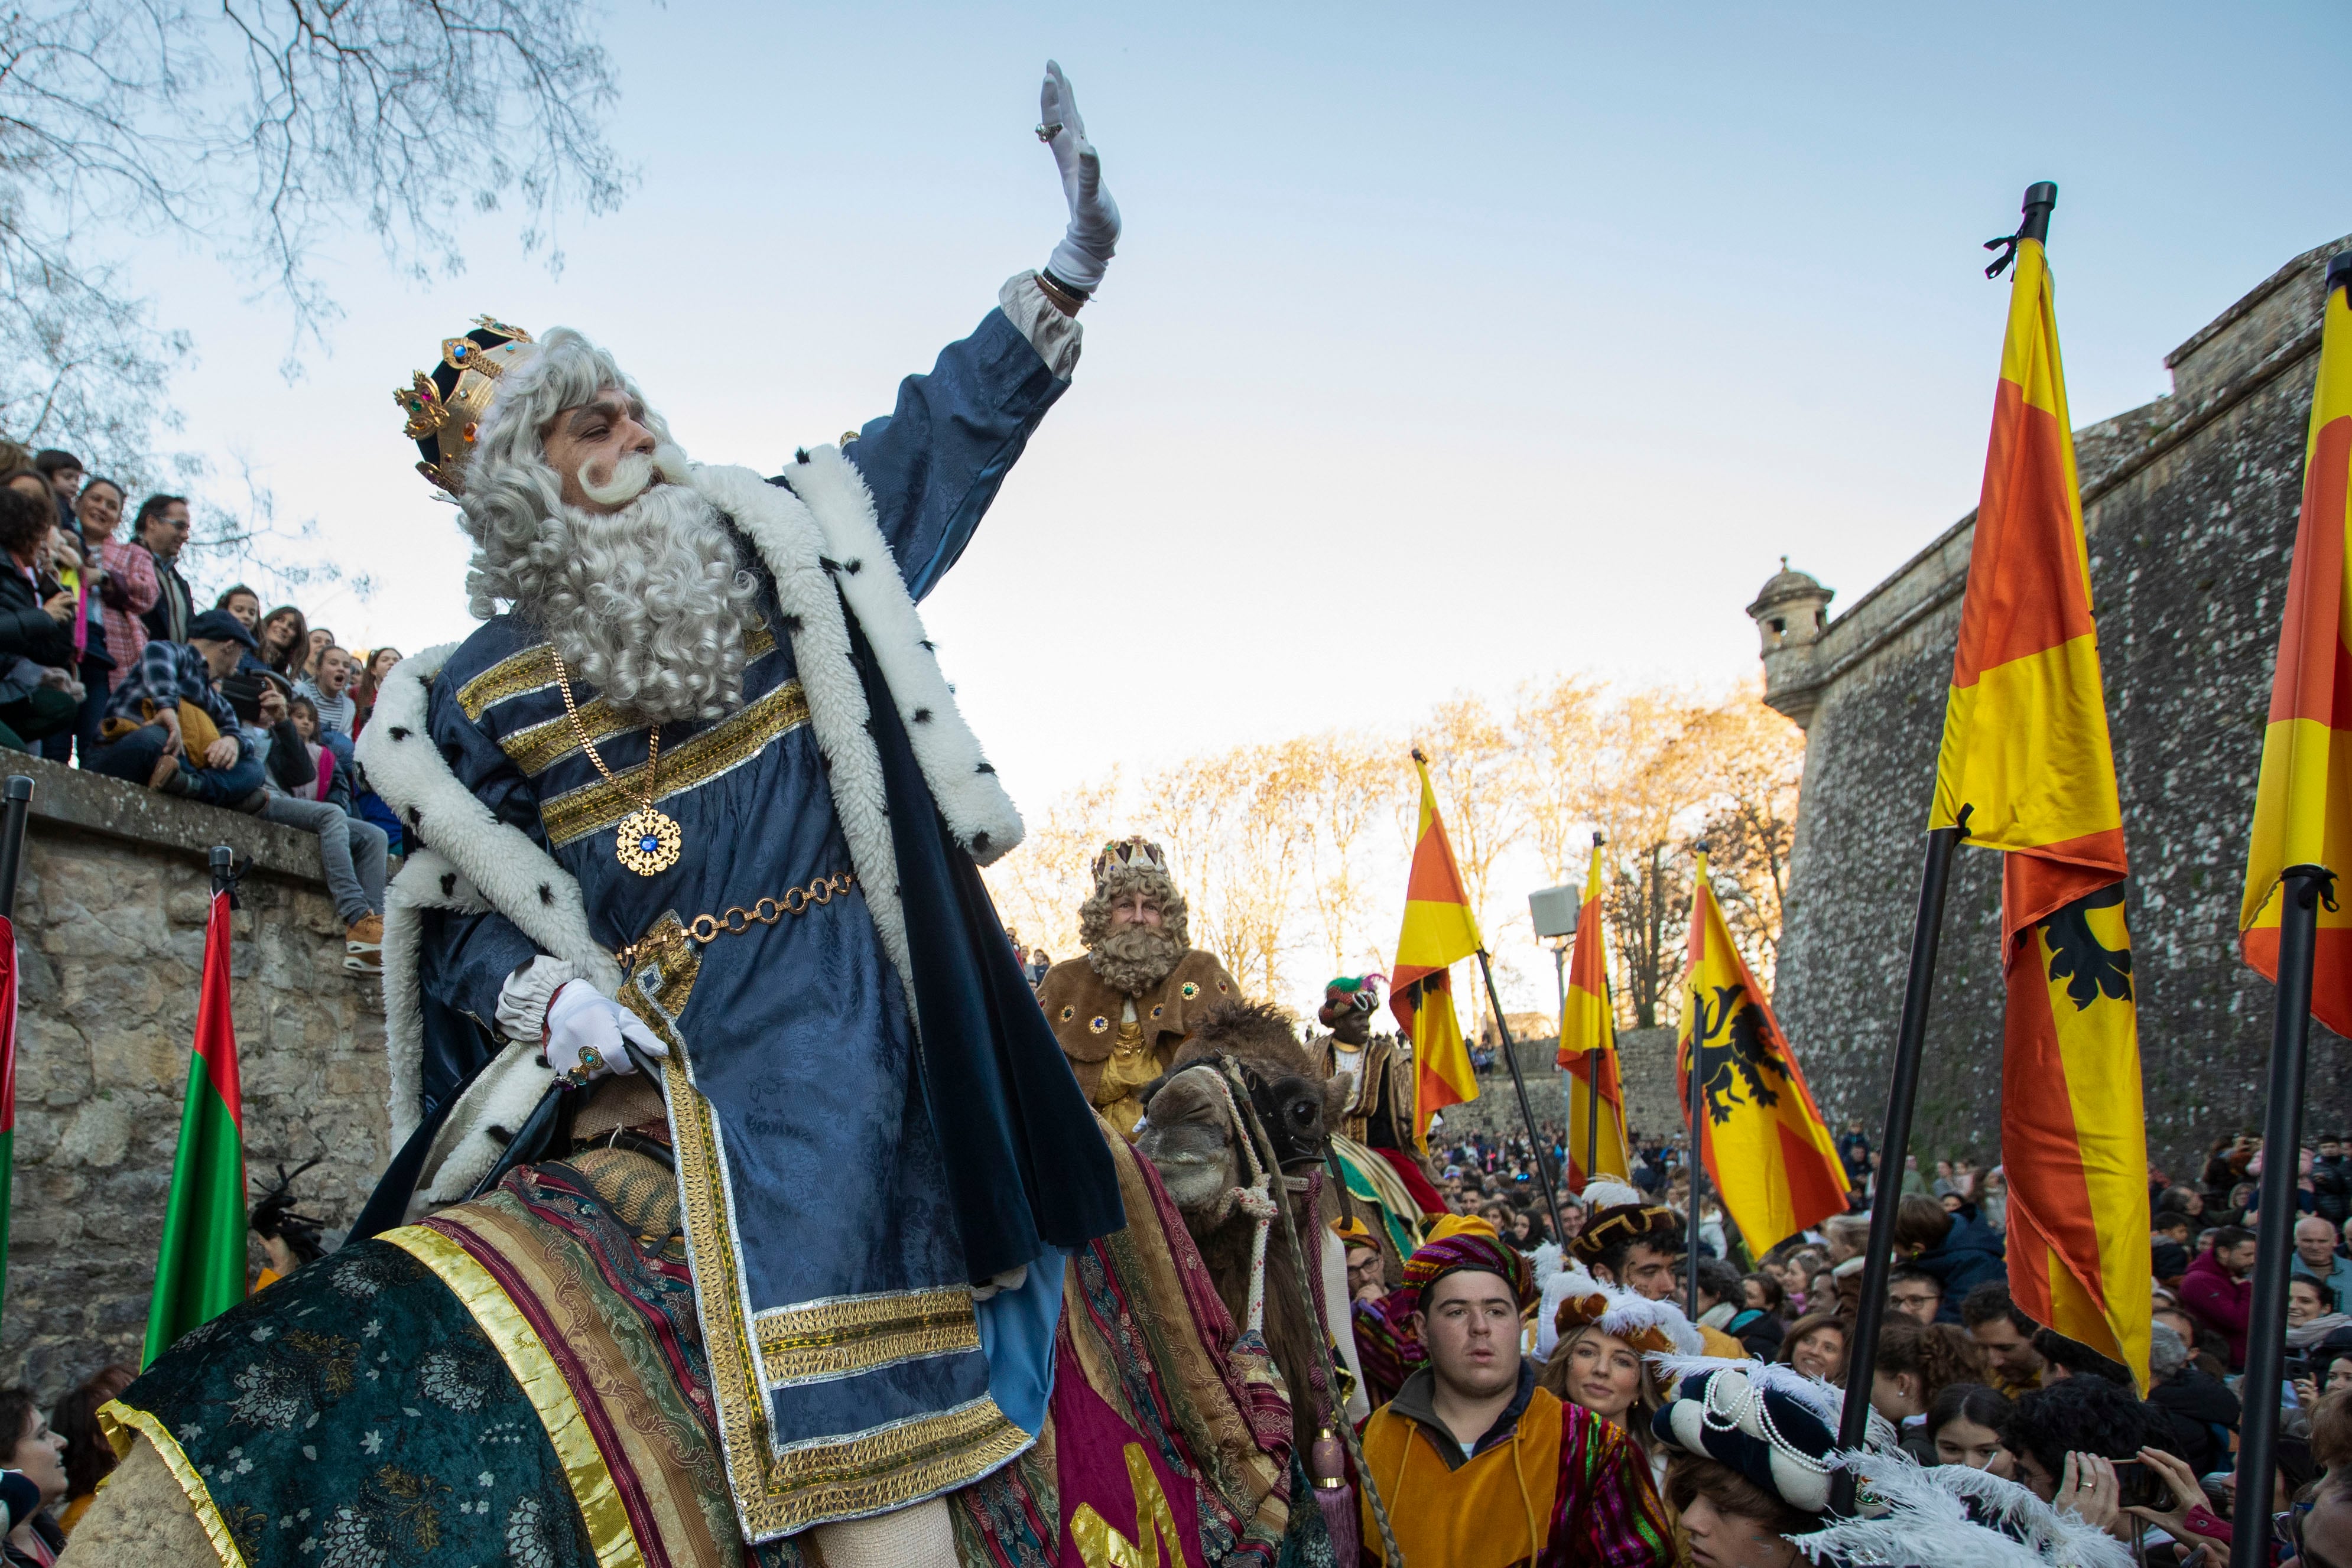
{"points": [[1916, 1362]]}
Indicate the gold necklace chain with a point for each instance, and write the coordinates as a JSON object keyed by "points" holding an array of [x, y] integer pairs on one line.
{"points": [[646, 842]]}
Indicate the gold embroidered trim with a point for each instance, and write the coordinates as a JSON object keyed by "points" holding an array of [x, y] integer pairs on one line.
{"points": [[601, 1509], [812, 1483], [864, 1334], [937, 1448], [658, 975], [533, 670], [540, 746], [726, 746], [120, 1422]]}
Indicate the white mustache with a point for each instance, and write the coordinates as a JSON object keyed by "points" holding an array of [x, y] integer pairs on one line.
{"points": [[634, 474]]}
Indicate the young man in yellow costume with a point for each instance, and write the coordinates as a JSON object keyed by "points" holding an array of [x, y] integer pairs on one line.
{"points": [[1479, 1467]]}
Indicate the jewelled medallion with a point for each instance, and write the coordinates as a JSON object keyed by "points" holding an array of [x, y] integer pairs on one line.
{"points": [[647, 841]]}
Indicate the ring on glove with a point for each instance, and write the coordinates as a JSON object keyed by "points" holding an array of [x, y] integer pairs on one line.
{"points": [[1047, 132], [592, 1062]]}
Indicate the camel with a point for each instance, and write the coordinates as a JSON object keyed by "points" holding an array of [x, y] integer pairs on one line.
{"points": [[1195, 1135]]}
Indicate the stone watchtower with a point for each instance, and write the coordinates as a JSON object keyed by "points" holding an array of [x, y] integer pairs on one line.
{"points": [[1791, 614]]}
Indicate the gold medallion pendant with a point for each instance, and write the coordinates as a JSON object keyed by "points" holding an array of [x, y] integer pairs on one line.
{"points": [[648, 841]]}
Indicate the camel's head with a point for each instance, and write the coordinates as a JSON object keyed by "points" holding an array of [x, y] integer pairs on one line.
{"points": [[1188, 1135], [1189, 1132]]}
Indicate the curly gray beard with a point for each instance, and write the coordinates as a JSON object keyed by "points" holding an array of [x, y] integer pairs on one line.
{"points": [[649, 604], [1134, 958]]}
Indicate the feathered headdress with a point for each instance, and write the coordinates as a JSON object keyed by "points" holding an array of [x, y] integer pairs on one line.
{"points": [[1953, 1517], [1657, 1327], [1772, 1424], [1616, 1211]]}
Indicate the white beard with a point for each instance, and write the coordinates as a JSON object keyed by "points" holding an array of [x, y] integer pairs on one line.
{"points": [[649, 604]]}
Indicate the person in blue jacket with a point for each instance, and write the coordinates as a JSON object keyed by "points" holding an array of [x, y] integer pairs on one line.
{"points": [[1961, 1252]]}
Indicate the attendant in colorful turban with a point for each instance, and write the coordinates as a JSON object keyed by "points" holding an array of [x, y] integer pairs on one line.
{"points": [[1388, 1183], [1387, 1340], [1479, 1467]]}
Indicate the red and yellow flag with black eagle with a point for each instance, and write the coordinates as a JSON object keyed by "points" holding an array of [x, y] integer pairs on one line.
{"points": [[1586, 1026], [1761, 1136], [1440, 931], [2027, 768], [2302, 808]]}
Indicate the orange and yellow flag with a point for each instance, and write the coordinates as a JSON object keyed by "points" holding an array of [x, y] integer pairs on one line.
{"points": [[2026, 767], [1586, 1026], [1762, 1138], [2302, 808], [1439, 932]]}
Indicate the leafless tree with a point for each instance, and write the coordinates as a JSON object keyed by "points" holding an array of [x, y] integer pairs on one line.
{"points": [[255, 130]]}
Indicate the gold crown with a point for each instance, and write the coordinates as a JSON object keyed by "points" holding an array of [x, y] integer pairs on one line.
{"points": [[1130, 852], [445, 407]]}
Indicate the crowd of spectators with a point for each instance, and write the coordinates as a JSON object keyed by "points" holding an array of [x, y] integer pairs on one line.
{"points": [[108, 663], [1966, 1376]]}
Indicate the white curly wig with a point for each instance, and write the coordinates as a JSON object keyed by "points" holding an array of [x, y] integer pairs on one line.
{"points": [[649, 604]]}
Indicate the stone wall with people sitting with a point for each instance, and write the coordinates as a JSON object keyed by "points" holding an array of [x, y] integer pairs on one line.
{"points": [[111, 934]]}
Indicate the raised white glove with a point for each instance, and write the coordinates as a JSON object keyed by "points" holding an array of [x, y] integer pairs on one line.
{"points": [[1093, 233], [581, 1019]]}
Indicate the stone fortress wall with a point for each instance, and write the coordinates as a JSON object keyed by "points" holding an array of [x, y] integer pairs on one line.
{"points": [[2190, 504], [111, 917]]}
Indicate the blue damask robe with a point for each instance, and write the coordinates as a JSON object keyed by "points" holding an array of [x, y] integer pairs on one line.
{"points": [[848, 1242]]}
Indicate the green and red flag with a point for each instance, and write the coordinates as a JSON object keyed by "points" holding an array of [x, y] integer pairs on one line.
{"points": [[7, 1085], [200, 1269], [1439, 932], [2027, 768]]}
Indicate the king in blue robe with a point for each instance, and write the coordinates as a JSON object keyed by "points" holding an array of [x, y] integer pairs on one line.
{"points": [[872, 1123]]}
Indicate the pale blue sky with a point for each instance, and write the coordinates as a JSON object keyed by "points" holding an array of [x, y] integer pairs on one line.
{"points": [[1531, 335]]}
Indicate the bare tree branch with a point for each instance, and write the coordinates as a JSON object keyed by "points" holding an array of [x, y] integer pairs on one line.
{"points": [[255, 130]]}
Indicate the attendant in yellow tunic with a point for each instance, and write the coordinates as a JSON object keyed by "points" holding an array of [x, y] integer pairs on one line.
{"points": [[1479, 1467]]}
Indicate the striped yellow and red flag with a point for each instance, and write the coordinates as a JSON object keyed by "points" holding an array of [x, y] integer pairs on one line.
{"points": [[2027, 768], [1440, 931], [2302, 808], [1586, 1026], [1762, 1138]]}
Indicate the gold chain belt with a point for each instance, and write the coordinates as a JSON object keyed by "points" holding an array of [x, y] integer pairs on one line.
{"points": [[708, 928]]}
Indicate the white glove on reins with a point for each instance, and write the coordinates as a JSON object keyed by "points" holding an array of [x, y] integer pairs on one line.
{"points": [[581, 1020], [1093, 233]]}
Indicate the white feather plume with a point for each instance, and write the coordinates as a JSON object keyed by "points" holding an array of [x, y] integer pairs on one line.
{"points": [[1921, 1517], [1626, 1313], [1599, 1195]]}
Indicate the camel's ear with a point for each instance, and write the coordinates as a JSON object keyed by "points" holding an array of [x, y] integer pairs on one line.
{"points": [[1336, 1095]]}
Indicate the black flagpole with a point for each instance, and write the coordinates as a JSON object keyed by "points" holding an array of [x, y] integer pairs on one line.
{"points": [[1527, 1112], [1698, 1096], [1593, 1067], [19, 802], [1697, 1168], [2301, 889], [1894, 1141]]}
